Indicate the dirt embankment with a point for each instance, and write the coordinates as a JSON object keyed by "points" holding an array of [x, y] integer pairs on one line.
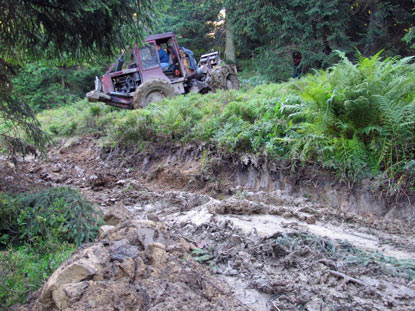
{"points": [[243, 229]]}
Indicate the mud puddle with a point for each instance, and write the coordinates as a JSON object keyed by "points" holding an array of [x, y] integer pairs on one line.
{"points": [[266, 225], [266, 258], [274, 250]]}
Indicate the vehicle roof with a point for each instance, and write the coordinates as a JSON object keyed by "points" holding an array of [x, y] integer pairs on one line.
{"points": [[210, 54], [160, 36]]}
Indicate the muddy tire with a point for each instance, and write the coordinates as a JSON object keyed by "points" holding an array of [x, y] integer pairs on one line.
{"points": [[151, 92], [223, 78]]}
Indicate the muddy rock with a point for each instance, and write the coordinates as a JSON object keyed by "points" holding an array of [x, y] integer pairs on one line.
{"points": [[104, 229], [84, 265], [110, 295], [116, 214], [235, 206], [275, 239], [68, 294], [99, 180], [140, 233], [130, 268]]}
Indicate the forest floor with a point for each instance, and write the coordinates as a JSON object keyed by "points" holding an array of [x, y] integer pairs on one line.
{"points": [[275, 251]]}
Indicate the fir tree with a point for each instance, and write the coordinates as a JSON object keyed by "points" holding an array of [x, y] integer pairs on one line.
{"points": [[44, 29]]}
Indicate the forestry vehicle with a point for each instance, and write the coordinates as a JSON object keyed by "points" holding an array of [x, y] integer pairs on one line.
{"points": [[142, 80]]}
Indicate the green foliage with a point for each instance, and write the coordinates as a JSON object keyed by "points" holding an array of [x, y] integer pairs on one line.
{"points": [[365, 114], [46, 87], [409, 37], [58, 214], [38, 232], [19, 130], [269, 34], [201, 255], [205, 256], [250, 77], [354, 119], [64, 31], [46, 29], [26, 268], [192, 21], [78, 118]]}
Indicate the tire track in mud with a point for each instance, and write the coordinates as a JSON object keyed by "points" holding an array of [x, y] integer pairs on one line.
{"points": [[276, 251]]}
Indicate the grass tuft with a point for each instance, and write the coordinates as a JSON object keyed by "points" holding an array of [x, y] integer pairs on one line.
{"points": [[357, 120]]}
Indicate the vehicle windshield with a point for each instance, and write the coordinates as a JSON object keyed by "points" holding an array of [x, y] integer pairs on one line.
{"points": [[149, 56]]}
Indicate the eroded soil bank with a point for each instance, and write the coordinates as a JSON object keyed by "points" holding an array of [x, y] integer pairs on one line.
{"points": [[251, 231]]}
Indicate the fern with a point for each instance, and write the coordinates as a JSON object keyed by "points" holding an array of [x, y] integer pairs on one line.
{"points": [[356, 119]]}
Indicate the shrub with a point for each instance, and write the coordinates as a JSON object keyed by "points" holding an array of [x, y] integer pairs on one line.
{"points": [[58, 214], [359, 118], [45, 87], [38, 231], [25, 269], [356, 119]]}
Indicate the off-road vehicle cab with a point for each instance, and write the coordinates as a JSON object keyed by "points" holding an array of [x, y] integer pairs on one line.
{"points": [[142, 80]]}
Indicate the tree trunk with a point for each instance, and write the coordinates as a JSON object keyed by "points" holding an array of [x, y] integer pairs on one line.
{"points": [[230, 55], [376, 32]]}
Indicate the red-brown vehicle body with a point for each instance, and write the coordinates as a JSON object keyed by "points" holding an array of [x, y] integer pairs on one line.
{"points": [[143, 81]]}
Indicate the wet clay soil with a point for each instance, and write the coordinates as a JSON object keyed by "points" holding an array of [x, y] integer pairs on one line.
{"points": [[273, 249]]}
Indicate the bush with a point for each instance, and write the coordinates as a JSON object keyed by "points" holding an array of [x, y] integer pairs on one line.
{"points": [[46, 87], [38, 231], [79, 118], [357, 120], [58, 214], [25, 269]]}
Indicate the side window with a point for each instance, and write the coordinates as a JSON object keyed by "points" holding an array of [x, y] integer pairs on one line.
{"points": [[149, 56]]}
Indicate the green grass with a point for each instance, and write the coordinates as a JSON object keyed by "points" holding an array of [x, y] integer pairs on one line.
{"points": [[24, 270], [38, 232], [78, 118], [357, 120]]}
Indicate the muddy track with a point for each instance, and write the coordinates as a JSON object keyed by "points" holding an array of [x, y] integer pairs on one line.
{"points": [[277, 250]]}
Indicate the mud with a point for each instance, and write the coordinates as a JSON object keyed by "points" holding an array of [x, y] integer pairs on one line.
{"points": [[275, 248]]}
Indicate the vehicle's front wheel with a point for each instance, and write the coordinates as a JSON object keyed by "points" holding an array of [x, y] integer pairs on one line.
{"points": [[151, 92]]}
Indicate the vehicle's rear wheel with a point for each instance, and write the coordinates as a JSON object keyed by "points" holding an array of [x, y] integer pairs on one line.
{"points": [[151, 92], [223, 78], [232, 82]]}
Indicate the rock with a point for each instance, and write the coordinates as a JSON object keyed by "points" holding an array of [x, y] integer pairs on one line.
{"points": [[121, 182], [139, 232], [157, 252], [116, 214], [56, 168], [126, 269], [85, 265], [111, 295], [104, 229], [235, 240], [187, 245], [98, 180], [121, 249], [131, 270], [68, 294], [73, 273]]}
